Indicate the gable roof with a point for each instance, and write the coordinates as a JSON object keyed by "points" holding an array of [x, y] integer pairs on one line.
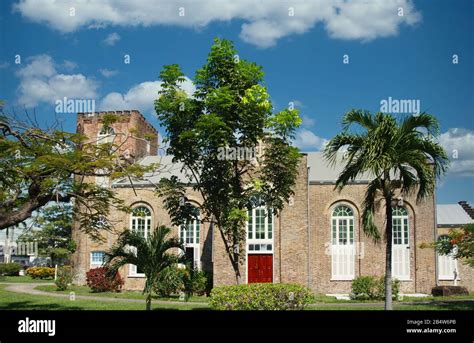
{"points": [[166, 169], [451, 214], [321, 171]]}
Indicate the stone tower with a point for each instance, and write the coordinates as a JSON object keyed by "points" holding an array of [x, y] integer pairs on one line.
{"points": [[136, 138]]}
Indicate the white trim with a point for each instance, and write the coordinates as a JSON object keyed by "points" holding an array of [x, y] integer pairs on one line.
{"points": [[342, 254], [401, 252], [195, 245], [96, 264], [132, 269], [256, 241]]}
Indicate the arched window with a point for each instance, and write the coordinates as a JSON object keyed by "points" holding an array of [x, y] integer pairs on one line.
{"points": [[140, 223], [342, 247], [400, 243], [141, 220], [260, 228], [189, 234], [342, 225], [106, 135], [447, 265]]}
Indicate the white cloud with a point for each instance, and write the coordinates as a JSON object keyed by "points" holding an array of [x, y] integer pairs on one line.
{"points": [[459, 145], [69, 65], [139, 97], [306, 140], [112, 38], [264, 22], [40, 82], [108, 72], [307, 121]]}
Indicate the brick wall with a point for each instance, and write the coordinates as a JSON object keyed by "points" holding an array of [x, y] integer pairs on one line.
{"points": [[421, 223]]}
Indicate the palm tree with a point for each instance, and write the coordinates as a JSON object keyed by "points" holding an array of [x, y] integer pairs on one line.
{"points": [[150, 255], [402, 157]]}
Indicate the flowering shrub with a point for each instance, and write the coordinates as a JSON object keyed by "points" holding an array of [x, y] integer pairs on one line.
{"points": [[64, 278], [261, 296], [98, 281], [40, 272]]}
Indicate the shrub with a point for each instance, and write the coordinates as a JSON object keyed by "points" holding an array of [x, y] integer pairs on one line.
{"points": [[260, 296], [10, 269], [40, 272], [195, 282], [363, 288], [64, 278], [169, 282], [98, 281], [380, 289], [372, 288], [439, 291], [174, 280]]}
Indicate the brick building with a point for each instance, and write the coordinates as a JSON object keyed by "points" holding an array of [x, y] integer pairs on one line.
{"points": [[452, 272], [316, 240]]}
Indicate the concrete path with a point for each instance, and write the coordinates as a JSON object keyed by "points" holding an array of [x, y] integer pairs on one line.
{"points": [[29, 288]]}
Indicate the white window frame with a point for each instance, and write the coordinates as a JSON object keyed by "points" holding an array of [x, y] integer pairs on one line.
{"points": [[106, 135], [268, 231], [96, 264], [404, 241], [447, 259], [342, 253], [147, 228], [196, 240]]}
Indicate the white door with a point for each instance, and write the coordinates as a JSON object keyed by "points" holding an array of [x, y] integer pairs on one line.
{"points": [[447, 267], [342, 249], [400, 245]]}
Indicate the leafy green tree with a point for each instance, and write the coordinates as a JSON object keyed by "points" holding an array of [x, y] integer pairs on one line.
{"points": [[42, 165], [402, 157], [54, 236], [151, 255], [460, 244], [233, 146]]}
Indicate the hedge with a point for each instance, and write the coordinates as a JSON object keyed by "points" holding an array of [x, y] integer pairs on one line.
{"points": [[261, 296], [40, 272], [10, 269]]}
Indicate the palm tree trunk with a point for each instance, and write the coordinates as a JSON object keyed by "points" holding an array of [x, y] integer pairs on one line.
{"points": [[148, 301], [388, 255]]}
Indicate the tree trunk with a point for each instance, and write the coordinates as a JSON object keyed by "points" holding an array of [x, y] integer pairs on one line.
{"points": [[148, 301], [238, 278], [388, 255]]}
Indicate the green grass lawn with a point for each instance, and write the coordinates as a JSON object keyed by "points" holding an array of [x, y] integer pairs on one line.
{"points": [[84, 290], [321, 298], [19, 301], [23, 279]]}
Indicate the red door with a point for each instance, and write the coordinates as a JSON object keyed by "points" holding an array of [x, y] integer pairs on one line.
{"points": [[260, 268]]}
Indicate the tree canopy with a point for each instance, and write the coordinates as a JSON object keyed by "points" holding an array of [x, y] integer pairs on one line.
{"points": [[229, 112], [39, 165], [402, 157]]}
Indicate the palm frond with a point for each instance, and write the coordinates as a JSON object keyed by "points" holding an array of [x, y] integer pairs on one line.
{"points": [[368, 210]]}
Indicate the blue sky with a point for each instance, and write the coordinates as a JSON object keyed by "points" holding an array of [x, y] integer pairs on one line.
{"points": [[407, 56]]}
